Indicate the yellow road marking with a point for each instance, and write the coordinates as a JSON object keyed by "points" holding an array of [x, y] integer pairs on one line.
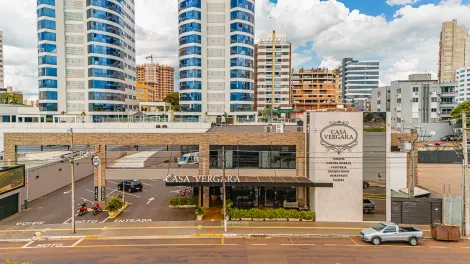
{"points": [[78, 242], [10, 248], [354, 241], [290, 239], [223, 240], [149, 245]]}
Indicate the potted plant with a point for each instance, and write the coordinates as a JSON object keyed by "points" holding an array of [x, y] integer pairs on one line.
{"points": [[308, 216], [281, 214], [192, 203], [200, 213], [114, 205], [245, 215], [270, 215], [293, 215]]}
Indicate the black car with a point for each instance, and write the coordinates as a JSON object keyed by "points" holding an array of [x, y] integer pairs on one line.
{"points": [[131, 186], [365, 184], [449, 138]]}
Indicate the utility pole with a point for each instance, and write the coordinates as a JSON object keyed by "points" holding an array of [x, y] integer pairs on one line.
{"points": [[72, 163], [465, 195], [224, 195], [411, 189]]}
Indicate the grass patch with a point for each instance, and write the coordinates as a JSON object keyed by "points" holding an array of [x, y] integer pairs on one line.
{"points": [[375, 129]]}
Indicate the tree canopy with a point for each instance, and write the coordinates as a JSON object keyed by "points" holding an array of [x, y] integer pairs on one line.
{"points": [[174, 100], [461, 108], [9, 98]]}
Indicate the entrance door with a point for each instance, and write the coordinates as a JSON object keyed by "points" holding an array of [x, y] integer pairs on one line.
{"points": [[8, 206]]}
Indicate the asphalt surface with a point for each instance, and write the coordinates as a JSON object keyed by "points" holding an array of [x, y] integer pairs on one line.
{"points": [[149, 205], [233, 250]]}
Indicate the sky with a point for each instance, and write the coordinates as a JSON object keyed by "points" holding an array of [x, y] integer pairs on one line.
{"points": [[402, 34]]}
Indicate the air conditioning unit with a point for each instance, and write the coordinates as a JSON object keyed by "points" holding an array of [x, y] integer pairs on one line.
{"points": [[279, 128], [268, 129]]}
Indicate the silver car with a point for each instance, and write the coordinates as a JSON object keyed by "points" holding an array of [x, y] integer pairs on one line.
{"points": [[391, 232]]}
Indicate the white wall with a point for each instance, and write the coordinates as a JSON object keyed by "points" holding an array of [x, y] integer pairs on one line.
{"points": [[342, 202], [397, 164]]}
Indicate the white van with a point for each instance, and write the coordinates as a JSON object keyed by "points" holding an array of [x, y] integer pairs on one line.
{"points": [[190, 158]]}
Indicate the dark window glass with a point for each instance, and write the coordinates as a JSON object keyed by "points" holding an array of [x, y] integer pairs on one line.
{"points": [[47, 95], [105, 4], [189, 3], [242, 16], [46, 36], [190, 108], [46, 47], [47, 24], [190, 74], [190, 51], [103, 96], [242, 28], [242, 39], [196, 85], [239, 85], [109, 85], [52, 107], [104, 15], [241, 108], [190, 39], [190, 96], [190, 62], [46, 2], [45, 11], [46, 59], [241, 97], [189, 27], [100, 26], [247, 74], [97, 107], [48, 72], [93, 48], [192, 14], [106, 73], [243, 4], [93, 60], [241, 62], [241, 51], [47, 83], [104, 39]]}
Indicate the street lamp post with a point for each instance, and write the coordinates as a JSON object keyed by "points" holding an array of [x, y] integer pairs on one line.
{"points": [[224, 195], [72, 162]]}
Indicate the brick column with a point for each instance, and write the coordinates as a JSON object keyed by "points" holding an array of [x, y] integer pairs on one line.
{"points": [[204, 163], [206, 197], [100, 151]]}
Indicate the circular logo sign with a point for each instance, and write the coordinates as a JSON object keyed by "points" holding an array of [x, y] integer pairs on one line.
{"points": [[339, 137], [95, 160]]}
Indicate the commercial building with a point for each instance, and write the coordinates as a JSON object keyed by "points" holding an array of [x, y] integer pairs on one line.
{"points": [[2, 62], [86, 57], [451, 50], [314, 89], [273, 66], [420, 99], [462, 78], [357, 80], [216, 58], [160, 79], [144, 92]]}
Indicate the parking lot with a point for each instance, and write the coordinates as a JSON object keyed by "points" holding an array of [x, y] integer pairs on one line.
{"points": [[146, 206]]}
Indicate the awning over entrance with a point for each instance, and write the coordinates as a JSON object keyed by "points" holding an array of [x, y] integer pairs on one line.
{"points": [[197, 181]]}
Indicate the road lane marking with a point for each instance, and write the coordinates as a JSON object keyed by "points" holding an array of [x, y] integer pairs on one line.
{"points": [[67, 192], [29, 243], [78, 242], [330, 245], [150, 199], [89, 191], [437, 247], [152, 245], [354, 241], [259, 244], [124, 194], [152, 180], [113, 182], [298, 244], [105, 219], [222, 240], [67, 220], [290, 239]]}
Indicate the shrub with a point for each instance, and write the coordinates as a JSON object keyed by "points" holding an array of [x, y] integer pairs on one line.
{"points": [[114, 204], [200, 211], [236, 213], [281, 213], [271, 214], [173, 201], [182, 201], [308, 215], [293, 214], [192, 201]]}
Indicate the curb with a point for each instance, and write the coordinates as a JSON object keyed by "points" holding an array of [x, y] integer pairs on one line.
{"points": [[119, 211], [63, 237]]}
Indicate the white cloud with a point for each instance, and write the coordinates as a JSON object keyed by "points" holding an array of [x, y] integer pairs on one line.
{"points": [[401, 2], [330, 62]]}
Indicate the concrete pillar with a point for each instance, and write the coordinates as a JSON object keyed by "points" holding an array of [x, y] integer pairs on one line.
{"points": [[206, 197], [100, 174]]}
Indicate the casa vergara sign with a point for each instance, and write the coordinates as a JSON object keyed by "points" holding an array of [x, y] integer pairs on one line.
{"points": [[339, 137], [201, 178]]}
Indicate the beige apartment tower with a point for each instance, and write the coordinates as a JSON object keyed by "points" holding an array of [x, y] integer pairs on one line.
{"points": [[160, 79], [452, 50], [273, 64], [2, 62], [315, 89]]}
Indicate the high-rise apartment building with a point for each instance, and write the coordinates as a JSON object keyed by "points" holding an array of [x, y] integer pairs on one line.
{"points": [[315, 89], [462, 78], [2, 63], [467, 50], [86, 57], [159, 78], [216, 57], [273, 66], [144, 92], [357, 80], [451, 50]]}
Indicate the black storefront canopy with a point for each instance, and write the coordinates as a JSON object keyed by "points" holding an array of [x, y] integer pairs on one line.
{"points": [[197, 181]]}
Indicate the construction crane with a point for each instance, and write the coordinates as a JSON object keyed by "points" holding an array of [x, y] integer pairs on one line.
{"points": [[151, 57]]}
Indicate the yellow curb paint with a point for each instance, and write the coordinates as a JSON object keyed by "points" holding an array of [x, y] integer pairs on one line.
{"points": [[119, 211], [150, 245], [223, 240], [93, 237]]}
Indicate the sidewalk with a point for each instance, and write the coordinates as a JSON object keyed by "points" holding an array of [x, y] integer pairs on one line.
{"points": [[189, 228]]}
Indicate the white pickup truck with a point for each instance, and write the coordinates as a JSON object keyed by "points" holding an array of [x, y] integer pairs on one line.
{"points": [[391, 232]]}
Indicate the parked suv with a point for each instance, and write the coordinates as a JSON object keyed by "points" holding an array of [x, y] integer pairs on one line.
{"points": [[131, 186], [449, 138]]}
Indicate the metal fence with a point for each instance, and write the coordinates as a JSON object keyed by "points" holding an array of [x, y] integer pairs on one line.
{"points": [[439, 156]]}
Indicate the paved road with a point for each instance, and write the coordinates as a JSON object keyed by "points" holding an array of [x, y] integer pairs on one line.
{"points": [[233, 250], [150, 205]]}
